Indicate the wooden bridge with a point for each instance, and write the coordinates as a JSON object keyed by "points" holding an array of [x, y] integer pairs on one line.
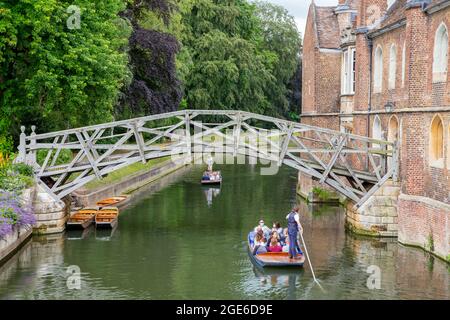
{"points": [[353, 165]]}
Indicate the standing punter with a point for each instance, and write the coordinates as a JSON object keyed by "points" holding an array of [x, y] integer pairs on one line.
{"points": [[294, 227]]}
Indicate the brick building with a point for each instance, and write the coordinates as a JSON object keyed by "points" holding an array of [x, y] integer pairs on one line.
{"points": [[379, 68]]}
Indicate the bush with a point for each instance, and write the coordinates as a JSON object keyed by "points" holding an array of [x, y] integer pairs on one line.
{"points": [[321, 193], [15, 177], [64, 157], [12, 213], [23, 169]]}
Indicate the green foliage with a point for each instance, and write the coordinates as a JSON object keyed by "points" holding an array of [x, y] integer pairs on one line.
{"points": [[322, 194], [55, 77], [23, 169], [6, 145], [237, 55], [10, 214], [15, 177], [64, 156]]}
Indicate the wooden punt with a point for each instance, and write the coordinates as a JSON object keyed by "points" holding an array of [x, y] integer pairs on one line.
{"points": [[275, 259], [82, 218], [112, 201], [107, 217], [213, 182]]}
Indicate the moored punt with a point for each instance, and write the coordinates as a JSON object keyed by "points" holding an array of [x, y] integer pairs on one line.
{"points": [[275, 259], [112, 201], [107, 217], [82, 218]]}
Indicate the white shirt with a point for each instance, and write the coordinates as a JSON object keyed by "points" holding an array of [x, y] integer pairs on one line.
{"points": [[297, 219]]}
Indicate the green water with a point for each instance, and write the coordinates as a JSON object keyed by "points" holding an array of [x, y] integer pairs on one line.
{"points": [[179, 240]]}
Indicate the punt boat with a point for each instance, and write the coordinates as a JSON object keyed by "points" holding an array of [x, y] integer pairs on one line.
{"points": [[212, 178], [112, 201], [274, 259], [107, 217], [82, 218]]}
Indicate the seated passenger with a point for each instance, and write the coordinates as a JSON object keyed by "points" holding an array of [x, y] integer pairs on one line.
{"points": [[266, 230], [259, 243], [277, 227], [275, 246], [286, 245]]}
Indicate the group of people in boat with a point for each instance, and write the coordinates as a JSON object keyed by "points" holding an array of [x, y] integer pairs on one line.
{"points": [[211, 176], [276, 239]]}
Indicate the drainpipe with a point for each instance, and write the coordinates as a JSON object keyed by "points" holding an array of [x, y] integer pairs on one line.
{"points": [[369, 107]]}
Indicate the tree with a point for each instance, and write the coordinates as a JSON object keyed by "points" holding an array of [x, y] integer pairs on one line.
{"points": [[155, 87], [55, 76], [281, 36], [226, 69]]}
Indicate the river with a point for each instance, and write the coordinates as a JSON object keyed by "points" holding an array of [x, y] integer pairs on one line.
{"points": [[179, 240]]}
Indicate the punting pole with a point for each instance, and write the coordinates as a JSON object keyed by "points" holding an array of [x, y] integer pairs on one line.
{"points": [[307, 256]]}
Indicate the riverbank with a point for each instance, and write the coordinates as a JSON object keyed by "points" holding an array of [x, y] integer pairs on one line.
{"points": [[125, 184], [12, 242]]}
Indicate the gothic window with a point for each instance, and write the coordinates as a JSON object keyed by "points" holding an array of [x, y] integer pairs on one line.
{"points": [[403, 64], [378, 70], [377, 131], [437, 141], [440, 56], [392, 66]]}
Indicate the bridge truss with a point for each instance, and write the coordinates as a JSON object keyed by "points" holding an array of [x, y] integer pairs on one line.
{"points": [[355, 166]]}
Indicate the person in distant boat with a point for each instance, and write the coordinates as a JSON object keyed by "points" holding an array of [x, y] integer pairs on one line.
{"points": [[294, 227], [205, 176], [210, 163], [275, 246]]}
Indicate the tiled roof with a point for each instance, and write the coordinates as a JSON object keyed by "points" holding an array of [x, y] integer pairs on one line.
{"points": [[395, 13], [327, 27]]}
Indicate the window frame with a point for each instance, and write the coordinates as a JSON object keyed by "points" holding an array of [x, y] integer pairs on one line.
{"points": [[348, 66], [378, 70], [392, 67], [440, 54]]}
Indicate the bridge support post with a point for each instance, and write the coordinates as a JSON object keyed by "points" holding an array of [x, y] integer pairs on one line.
{"points": [[378, 215], [188, 137]]}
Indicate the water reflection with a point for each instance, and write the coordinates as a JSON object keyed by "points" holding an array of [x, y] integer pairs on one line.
{"points": [[211, 193], [170, 244]]}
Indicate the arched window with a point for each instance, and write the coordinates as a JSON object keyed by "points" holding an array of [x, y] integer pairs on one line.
{"points": [[403, 64], [437, 141], [392, 66], [377, 132], [440, 56], [378, 70], [393, 134]]}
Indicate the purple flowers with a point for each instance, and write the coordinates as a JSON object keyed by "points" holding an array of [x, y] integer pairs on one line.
{"points": [[13, 213]]}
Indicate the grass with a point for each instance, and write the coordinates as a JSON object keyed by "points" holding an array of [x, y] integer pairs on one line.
{"points": [[119, 175]]}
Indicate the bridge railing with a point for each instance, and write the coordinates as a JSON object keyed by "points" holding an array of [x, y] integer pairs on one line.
{"points": [[64, 161]]}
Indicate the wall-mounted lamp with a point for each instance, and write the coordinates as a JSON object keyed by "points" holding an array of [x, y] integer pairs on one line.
{"points": [[389, 107]]}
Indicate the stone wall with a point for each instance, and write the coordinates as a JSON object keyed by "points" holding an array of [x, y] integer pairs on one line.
{"points": [[378, 216], [85, 197], [425, 223], [12, 242], [51, 215]]}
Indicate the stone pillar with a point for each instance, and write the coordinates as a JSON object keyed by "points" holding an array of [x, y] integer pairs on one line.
{"points": [[378, 216], [51, 215]]}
